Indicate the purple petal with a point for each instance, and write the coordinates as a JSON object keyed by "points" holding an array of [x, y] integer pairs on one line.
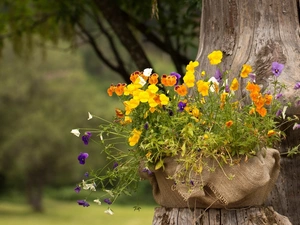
{"points": [[82, 156], [107, 200], [77, 189], [218, 75], [177, 75], [297, 86], [277, 68], [83, 203]]}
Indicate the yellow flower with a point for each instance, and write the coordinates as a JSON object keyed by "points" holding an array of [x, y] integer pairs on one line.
{"points": [[271, 132], [163, 99], [252, 111], [215, 57], [152, 88], [133, 103], [134, 139], [148, 155], [203, 87], [152, 103], [234, 85], [191, 66], [203, 73], [246, 70], [189, 79], [144, 96]]}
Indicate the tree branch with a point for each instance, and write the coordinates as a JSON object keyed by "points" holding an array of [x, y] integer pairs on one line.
{"points": [[114, 17]]}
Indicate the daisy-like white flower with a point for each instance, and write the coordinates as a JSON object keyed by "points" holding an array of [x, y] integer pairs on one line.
{"points": [[147, 72], [97, 201], [75, 132], [109, 211], [90, 116]]}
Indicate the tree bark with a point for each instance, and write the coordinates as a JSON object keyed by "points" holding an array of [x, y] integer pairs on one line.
{"points": [[251, 216], [257, 33]]}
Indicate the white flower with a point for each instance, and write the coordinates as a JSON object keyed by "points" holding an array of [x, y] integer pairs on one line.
{"points": [[213, 80], [283, 111], [109, 211], [147, 72], [110, 193], [86, 186], [142, 81], [75, 132], [90, 116], [97, 201]]}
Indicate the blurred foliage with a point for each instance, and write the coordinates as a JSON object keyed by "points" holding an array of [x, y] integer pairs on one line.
{"points": [[31, 23], [40, 102]]}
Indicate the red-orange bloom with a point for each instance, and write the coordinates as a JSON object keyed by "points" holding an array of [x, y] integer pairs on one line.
{"points": [[111, 90], [181, 89], [134, 76], [119, 89], [153, 79]]}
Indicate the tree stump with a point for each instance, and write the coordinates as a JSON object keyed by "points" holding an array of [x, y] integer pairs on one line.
{"points": [[247, 216]]}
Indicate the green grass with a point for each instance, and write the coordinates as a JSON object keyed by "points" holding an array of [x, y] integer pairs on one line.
{"points": [[61, 213]]}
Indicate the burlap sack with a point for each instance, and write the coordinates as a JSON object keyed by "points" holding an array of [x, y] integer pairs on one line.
{"points": [[252, 182]]}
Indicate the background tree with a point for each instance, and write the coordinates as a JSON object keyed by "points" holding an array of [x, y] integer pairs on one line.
{"points": [[40, 102], [126, 27]]}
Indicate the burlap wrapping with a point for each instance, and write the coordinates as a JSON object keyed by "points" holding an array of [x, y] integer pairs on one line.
{"points": [[252, 182]]}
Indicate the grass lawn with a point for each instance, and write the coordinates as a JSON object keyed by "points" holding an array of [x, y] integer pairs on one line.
{"points": [[62, 213]]}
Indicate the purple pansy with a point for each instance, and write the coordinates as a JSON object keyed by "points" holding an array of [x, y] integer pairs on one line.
{"points": [[85, 138], [218, 75], [107, 200], [277, 68], [82, 157], [77, 189], [181, 106], [83, 203], [297, 86], [86, 174], [177, 75]]}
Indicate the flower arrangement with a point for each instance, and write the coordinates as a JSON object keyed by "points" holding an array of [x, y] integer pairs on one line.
{"points": [[191, 121]]}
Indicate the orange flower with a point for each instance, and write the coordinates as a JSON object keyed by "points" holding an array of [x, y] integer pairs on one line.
{"points": [[119, 113], [252, 87], [120, 89], [268, 99], [261, 111], [229, 123], [111, 90], [134, 76], [164, 79], [153, 79], [181, 89]]}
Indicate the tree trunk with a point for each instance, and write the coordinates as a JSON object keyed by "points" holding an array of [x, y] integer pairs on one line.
{"points": [[257, 33], [251, 216]]}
